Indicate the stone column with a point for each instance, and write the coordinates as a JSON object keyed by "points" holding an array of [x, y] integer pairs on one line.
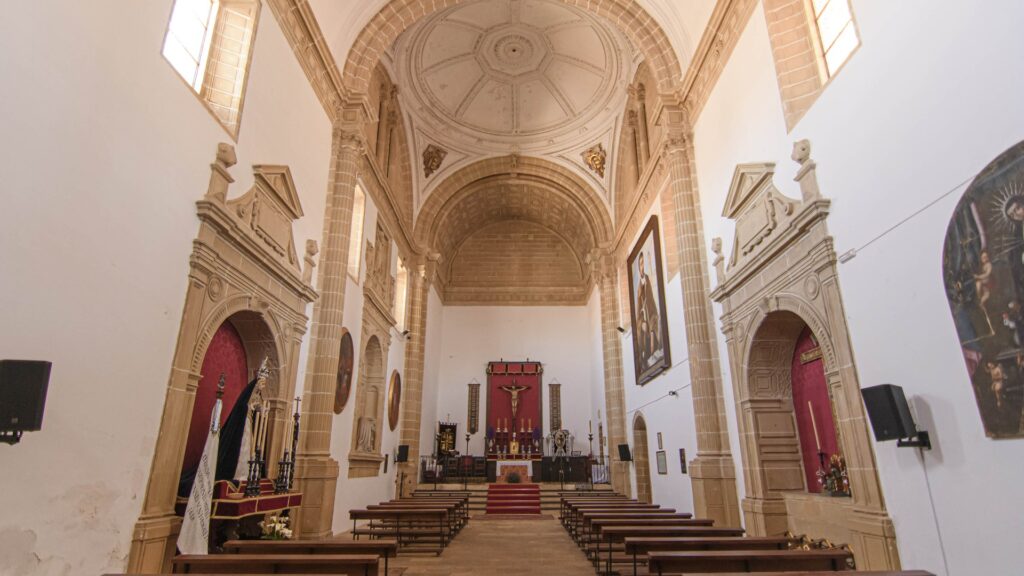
{"points": [[614, 392], [712, 471], [412, 396], [316, 473]]}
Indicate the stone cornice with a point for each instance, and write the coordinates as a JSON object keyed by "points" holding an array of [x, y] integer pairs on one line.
{"points": [[723, 31]]}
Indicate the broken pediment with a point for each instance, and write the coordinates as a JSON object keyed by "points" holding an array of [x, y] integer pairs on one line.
{"points": [[269, 208], [757, 207]]}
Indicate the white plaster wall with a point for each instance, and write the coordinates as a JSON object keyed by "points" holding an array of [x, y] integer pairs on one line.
{"points": [[105, 152], [918, 109], [670, 415], [557, 336], [360, 492], [431, 372]]}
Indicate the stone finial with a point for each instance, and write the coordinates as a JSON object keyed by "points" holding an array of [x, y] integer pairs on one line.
{"points": [[307, 270], [806, 176], [220, 178], [719, 261], [433, 156]]}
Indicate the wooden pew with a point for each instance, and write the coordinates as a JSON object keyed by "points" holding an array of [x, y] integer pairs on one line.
{"points": [[716, 561], [612, 535], [455, 512], [405, 525], [871, 573], [345, 564], [585, 531], [578, 515], [383, 548], [637, 548], [597, 528]]}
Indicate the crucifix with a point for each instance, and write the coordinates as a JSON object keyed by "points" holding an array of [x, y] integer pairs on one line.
{"points": [[514, 391]]}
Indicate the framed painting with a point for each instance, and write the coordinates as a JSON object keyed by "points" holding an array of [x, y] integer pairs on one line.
{"points": [[394, 399], [662, 462], [649, 319], [983, 272], [343, 385], [682, 460]]}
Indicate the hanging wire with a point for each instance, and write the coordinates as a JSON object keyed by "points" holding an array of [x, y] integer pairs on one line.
{"points": [[852, 253], [670, 394]]}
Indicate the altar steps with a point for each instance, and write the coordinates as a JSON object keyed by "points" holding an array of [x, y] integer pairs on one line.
{"points": [[513, 499], [550, 494]]}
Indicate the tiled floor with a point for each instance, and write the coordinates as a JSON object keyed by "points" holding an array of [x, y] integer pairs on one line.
{"points": [[520, 547]]}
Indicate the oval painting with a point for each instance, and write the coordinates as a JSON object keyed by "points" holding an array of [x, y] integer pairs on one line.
{"points": [[394, 399], [346, 360], [983, 270]]}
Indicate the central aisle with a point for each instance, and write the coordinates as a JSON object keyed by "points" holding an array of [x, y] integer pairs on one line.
{"points": [[524, 547]]}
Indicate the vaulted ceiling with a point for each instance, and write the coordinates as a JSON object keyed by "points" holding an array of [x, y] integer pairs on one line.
{"points": [[499, 80]]}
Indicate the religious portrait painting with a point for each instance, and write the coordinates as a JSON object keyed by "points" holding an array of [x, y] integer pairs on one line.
{"points": [[647, 305], [983, 272]]}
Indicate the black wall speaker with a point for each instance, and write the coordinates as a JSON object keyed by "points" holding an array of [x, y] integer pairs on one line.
{"points": [[624, 454], [403, 453], [23, 385], [889, 412]]}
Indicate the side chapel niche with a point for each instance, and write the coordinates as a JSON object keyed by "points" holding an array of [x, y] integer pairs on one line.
{"points": [[246, 301], [365, 456], [795, 384]]}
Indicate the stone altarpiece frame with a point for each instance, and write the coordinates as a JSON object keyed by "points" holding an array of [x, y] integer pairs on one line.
{"points": [[243, 269], [365, 456], [782, 276]]}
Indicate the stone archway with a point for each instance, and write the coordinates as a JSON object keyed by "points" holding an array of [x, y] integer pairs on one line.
{"points": [[232, 268], [772, 454], [369, 415], [642, 460], [779, 283]]}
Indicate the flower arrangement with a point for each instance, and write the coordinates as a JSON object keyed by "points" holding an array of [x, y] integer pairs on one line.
{"points": [[276, 528]]}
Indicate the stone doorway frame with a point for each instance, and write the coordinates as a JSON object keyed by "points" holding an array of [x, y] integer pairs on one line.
{"points": [[243, 267], [783, 267], [642, 459]]}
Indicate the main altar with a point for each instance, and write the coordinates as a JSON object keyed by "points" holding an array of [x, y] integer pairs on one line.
{"points": [[515, 421]]}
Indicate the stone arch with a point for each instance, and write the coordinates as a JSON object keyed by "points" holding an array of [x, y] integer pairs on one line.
{"points": [[395, 17], [369, 407], [642, 459], [551, 175]]}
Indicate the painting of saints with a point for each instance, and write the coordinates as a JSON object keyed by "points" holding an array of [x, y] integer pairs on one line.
{"points": [[983, 272], [647, 305]]}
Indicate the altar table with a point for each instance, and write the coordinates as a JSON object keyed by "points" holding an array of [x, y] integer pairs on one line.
{"points": [[517, 465]]}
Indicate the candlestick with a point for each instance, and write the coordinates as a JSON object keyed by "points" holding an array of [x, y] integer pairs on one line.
{"points": [[817, 441]]}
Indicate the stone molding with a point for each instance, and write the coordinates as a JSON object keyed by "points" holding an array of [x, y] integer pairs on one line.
{"points": [[781, 276], [243, 265]]}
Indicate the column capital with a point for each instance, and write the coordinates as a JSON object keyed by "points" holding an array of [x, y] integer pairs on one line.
{"points": [[678, 128]]}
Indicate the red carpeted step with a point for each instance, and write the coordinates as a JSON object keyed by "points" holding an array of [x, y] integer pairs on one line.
{"points": [[513, 499]]}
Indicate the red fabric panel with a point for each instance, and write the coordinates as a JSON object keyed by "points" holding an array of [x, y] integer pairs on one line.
{"points": [[226, 354], [498, 405], [809, 386]]}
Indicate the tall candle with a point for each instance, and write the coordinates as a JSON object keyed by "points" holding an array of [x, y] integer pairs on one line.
{"points": [[590, 426], [817, 441]]}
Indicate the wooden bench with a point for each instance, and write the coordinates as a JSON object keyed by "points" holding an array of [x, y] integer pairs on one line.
{"points": [[382, 548], [715, 561], [829, 573], [405, 525], [637, 548], [584, 528], [346, 564], [456, 520], [576, 516], [617, 534], [597, 534]]}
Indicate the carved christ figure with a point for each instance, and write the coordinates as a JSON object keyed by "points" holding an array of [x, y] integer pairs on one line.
{"points": [[514, 391]]}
